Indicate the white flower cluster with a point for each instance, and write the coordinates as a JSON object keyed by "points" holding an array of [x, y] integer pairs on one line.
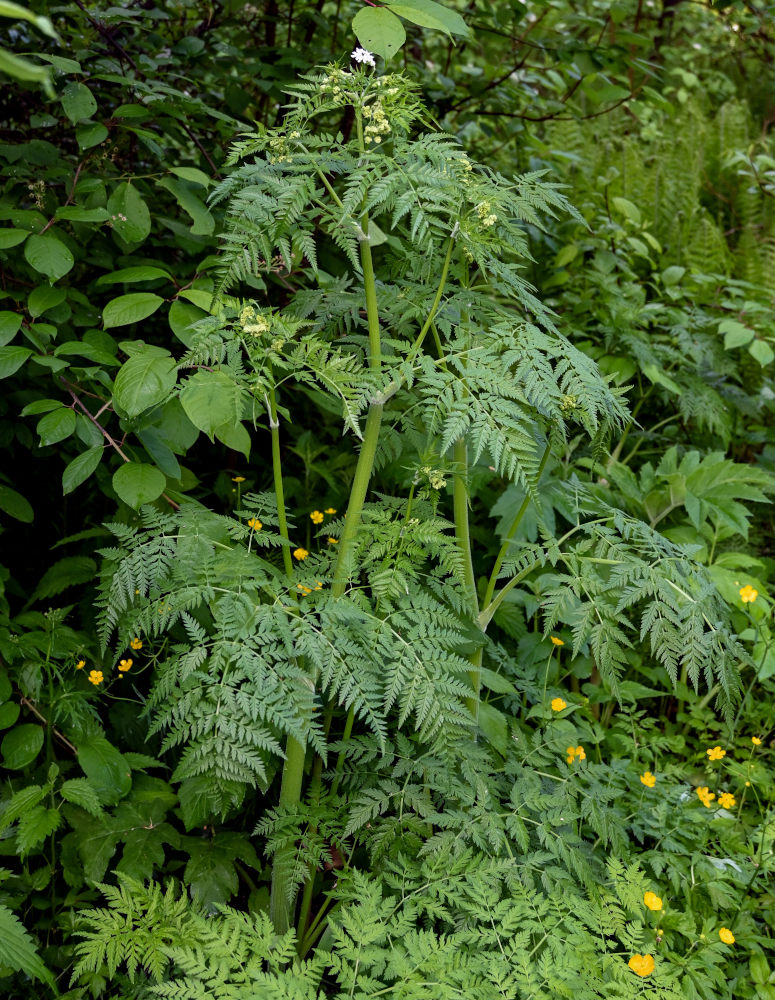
{"points": [[377, 123], [253, 322], [486, 217], [363, 56]]}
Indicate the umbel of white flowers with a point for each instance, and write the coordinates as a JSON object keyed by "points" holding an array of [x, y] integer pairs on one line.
{"points": [[363, 56]]}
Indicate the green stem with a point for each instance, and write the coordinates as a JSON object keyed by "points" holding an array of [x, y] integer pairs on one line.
{"points": [[435, 305], [277, 471], [463, 539], [493, 581]]}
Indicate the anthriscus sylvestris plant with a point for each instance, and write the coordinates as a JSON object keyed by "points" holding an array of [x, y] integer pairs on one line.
{"points": [[350, 681]]}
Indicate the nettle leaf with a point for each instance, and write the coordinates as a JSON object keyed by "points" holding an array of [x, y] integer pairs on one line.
{"points": [[71, 571], [34, 827], [379, 31], [137, 483], [17, 949], [82, 793], [129, 214], [429, 14], [145, 380], [212, 402], [48, 255], [78, 102], [130, 308]]}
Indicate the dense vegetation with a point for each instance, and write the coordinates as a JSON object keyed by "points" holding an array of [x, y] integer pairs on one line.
{"points": [[388, 444]]}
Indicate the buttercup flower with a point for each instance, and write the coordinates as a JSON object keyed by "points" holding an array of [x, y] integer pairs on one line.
{"points": [[316, 517], [756, 741], [716, 753], [642, 965], [574, 752], [330, 510], [238, 479], [95, 677], [300, 553], [255, 524], [748, 594], [304, 590], [125, 665], [652, 901], [333, 541], [556, 641], [648, 779], [727, 800], [558, 704], [705, 795], [136, 643], [363, 56], [726, 935], [80, 665]]}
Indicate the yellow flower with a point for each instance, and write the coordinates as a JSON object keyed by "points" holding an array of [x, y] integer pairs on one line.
{"points": [[335, 541], [319, 585], [756, 741], [316, 517], [716, 753], [255, 524], [238, 479], [330, 510], [652, 901], [125, 665], [136, 643], [648, 779], [556, 641], [705, 795], [574, 752], [726, 935], [95, 677], [300, 554], [80, 665], [727, 800], [558, 704], [642, 965], [304, 590], [581, 753], [748, 594]]}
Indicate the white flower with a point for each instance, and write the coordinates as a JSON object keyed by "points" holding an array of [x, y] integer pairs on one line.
{"points": [[363, 56]]}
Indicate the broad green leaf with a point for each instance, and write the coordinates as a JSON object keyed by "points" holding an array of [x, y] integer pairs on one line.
{"points": [[41, 406], [203, 221], [48, 255], [182, 316], [200, 298], [17, 949], [91, 134], [43, 298], [493, 725], [735, 334], [72, 571], [130, 308], [14, 503], [73, 213], [12, 238], [56, 426], [129, 214], [160, 452], [192, 174], [10, 322], [145, 380], [78, 102], [496, 682], [81, 467], [627, 209], [234, 436], [127, 275], [429, 14], [21, 746], [566, 255], [137, 483], [22, 69], [211, 401], [379, 31], [19, 13], [106, 769], [11, 359], [9, 713], [762, 351], [672, 275]]}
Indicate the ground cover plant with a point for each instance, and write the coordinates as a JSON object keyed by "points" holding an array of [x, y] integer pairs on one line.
{"points": [[403, 629]]}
